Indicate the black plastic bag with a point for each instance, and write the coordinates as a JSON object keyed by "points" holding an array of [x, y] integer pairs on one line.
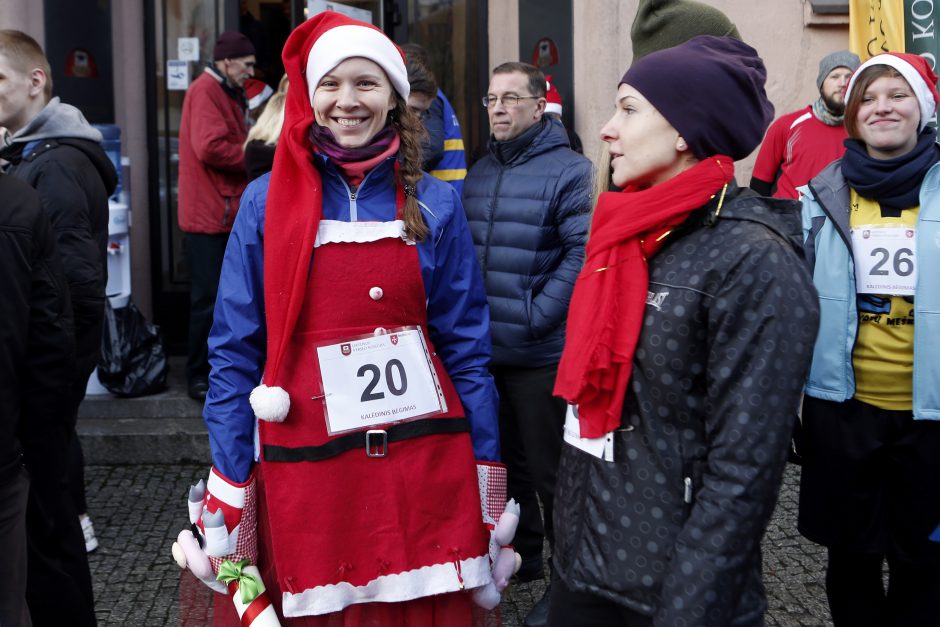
{"points": [[133, 361]]}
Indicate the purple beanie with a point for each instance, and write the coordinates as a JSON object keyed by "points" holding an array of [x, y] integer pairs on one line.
{"points": [[711, 89], [232, 45]]}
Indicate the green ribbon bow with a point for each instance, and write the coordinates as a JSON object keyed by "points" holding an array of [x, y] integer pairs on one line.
{"points": [[249, 585]]}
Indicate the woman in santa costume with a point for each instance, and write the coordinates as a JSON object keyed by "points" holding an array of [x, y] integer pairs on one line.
{"points": [[351, 290]]}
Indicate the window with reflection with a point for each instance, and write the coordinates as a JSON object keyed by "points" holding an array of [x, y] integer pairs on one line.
{"points": [[452, 33]]}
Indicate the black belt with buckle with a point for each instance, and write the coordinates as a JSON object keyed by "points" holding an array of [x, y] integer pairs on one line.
{"points": [[374, 441]]}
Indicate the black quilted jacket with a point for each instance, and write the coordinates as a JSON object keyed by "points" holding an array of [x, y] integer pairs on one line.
{"points": [[37, 344], [74, 178], [672, 527]]}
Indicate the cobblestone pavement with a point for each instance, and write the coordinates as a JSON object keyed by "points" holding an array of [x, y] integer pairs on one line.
{"points": [[138, 510]]}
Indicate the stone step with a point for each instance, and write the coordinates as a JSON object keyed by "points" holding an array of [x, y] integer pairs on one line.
{"points": [[164, 428]]}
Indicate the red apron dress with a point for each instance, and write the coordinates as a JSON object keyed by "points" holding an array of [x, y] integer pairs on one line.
{"points": [[350, 529]]}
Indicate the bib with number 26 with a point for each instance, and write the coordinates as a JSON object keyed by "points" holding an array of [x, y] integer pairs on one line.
{"points": [[885, 259], [379, 379]]}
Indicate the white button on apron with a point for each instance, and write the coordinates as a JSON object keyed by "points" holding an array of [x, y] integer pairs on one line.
{"points": [[376, 293]]}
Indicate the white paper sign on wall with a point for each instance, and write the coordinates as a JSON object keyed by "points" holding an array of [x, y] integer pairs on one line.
{"points": [[187, 48], [177, 75]]}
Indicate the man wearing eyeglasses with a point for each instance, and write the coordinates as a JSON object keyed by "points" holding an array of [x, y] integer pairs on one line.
{"points": [[528, 203]]}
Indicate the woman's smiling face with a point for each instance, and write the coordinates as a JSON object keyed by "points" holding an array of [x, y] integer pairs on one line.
{"points": [[888, 118], [353, 100]]}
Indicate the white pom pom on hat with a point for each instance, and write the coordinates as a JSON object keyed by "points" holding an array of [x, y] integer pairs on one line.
{"points": [[270, 403]]}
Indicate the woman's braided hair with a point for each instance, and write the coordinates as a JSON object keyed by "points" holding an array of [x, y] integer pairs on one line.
{"points": [[412, 134]]}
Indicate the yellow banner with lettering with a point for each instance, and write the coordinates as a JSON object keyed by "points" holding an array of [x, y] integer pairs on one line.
{"points": [[876, 26]]}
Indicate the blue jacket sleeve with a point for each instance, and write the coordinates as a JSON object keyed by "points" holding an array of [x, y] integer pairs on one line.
{"points": [[237, 341], [459, 326]]}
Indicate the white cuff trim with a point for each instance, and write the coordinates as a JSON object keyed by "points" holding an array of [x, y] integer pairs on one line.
{"points": [[413, 584], [224, 491]]}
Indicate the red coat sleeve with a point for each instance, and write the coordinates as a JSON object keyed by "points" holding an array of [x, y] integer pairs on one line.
{"points": [[217, 130], [772, 151]]}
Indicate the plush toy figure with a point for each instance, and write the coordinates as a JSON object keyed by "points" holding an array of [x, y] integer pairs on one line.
{"points": [[505, 562], [222, 555]]}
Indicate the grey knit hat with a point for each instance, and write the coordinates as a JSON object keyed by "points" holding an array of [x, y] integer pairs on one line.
{"points": [[661, 24], [842, 58]]}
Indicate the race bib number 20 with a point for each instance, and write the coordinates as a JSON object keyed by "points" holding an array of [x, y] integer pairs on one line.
{"points": [[378, 380], [885, 260]]}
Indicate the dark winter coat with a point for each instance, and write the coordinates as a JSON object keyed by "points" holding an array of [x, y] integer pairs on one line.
{"points": [[259, 158], [672, 528], [529, 213], [59, 154], [36, 343]]}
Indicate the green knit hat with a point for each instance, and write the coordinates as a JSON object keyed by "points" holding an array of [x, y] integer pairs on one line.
{"points": [[661, 24]]}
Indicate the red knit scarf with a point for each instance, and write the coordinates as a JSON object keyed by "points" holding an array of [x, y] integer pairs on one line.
{"points": [[355, 171], [609, 298], [355, 163]]}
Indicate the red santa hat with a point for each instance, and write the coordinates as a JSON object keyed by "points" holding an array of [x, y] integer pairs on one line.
{"points": [[916, 72], [552, 96], [257, 92], [336, 42], [295, 203]]}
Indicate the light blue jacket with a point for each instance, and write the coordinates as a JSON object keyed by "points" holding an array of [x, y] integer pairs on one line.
{"points": [[829, 252]]}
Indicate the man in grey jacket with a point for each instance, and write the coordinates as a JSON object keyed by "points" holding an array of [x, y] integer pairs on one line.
{"points": [[528, 202]]}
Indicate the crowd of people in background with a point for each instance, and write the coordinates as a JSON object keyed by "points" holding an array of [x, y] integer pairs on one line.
{"points": [[391, 343]]}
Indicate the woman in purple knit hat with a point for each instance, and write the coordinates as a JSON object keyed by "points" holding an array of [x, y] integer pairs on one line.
{"points": [[689, 334]]}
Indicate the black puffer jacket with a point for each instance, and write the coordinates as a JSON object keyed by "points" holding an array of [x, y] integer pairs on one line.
{"points": [[36, 343], [529, 212], [672, 527], [59, 154]]}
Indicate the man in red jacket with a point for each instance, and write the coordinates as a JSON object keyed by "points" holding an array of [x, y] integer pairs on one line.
{"points": [[800, 144], [211, 180]]}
